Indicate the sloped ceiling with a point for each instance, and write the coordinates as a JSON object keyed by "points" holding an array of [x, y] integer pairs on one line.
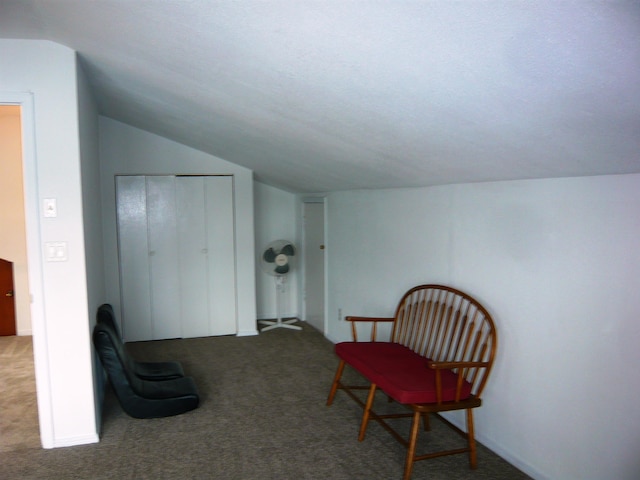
{"points": [[319, 96]]}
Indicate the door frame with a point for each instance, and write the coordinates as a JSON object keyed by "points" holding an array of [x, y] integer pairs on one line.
{"points": [[34, 260]]}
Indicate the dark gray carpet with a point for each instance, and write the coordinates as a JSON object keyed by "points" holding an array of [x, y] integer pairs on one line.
{"points": [[262, 416]]}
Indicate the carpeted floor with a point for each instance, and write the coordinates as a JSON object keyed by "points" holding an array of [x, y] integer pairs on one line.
{"points": [[18, 406], [262, 416]]}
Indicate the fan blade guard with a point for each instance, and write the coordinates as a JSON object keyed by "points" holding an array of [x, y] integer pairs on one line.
{"points": [[269, 255]]}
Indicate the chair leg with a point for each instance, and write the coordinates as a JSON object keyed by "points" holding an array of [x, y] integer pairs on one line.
{"points": [[426, 422], [411, 449], [336, 380], [367, 409], [473, 460]]}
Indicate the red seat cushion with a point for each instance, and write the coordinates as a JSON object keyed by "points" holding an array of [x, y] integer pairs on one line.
{"points": [[399, 372]]}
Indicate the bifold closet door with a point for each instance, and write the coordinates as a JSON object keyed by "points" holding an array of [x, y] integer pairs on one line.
{"points": [[177, 256], [206, 255], [131, 207], [163, 261], [221, 238]]}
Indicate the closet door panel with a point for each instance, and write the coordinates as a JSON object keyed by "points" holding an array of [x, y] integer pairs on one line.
{"points": [[220, 245], [163, 258], [134, 259], [193, 256]]}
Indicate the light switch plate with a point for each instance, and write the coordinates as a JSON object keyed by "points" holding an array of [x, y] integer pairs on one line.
{"points": [[50, 208]]}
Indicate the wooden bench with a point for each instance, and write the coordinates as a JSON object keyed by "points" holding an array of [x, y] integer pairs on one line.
{"points": [[438, 358]]}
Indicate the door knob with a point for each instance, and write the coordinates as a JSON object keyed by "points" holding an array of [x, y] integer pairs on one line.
{"points": [[9, 293], [321, 247]]}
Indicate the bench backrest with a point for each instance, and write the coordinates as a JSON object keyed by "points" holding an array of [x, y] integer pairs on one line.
{"points": [[446, 325]]}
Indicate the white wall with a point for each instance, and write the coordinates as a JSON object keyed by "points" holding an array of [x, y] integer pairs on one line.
{"points": [[556, 262], [13, 234], [43, 75], [92, 219], [276, 214], [125, 150]]}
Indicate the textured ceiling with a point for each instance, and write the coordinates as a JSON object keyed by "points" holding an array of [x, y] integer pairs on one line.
{"points": [[329, 95]]}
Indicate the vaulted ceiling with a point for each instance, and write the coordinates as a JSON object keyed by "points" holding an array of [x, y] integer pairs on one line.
{"points": [[319, 96]]}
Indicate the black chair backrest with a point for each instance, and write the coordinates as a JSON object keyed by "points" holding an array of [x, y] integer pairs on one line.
{"points": [[106, 315], [106, 320], [123, 380]]}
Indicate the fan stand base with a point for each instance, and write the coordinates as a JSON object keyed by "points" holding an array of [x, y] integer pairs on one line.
{"points": [[279, 323]]}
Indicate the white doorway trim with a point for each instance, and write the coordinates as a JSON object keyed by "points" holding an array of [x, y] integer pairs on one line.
{"points": [[34, 259]]}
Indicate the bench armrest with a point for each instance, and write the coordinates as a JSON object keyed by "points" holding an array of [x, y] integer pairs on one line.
{"points": [[374, 321], [462, 370]]}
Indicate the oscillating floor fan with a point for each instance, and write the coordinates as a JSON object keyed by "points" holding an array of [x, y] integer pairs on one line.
{"points": [[278, 260]]}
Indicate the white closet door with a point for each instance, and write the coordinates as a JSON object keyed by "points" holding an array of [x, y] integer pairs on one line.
{"points": [[220, 244], [207, 259], [134, 258], [193, 255], [163, 260], [177, 256]]}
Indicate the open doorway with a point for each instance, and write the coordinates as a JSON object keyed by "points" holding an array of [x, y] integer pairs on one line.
{"points": [[20, 423], [13, 236]]}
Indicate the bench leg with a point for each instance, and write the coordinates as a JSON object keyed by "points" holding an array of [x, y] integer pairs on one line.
{"points": [[473, 460], [411, 448], [336, 381], [367, 409], [426, 422]]}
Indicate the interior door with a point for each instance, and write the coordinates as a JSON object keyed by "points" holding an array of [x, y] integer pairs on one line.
{"points": [[314, 264], [7, 299]]}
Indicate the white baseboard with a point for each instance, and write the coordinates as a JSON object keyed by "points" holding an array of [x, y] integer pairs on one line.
{"points": [[73, 441], [499, 450], [246, 333], [514, 460]]}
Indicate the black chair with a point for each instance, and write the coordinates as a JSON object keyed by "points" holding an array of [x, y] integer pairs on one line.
{"points": [[143, 398], [144, 370]]}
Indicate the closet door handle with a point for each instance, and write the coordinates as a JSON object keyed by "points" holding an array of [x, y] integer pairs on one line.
{"points": [[9, 293]]}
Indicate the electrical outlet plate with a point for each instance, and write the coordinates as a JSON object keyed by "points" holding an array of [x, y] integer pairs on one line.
{"points": [[55, 251]]}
